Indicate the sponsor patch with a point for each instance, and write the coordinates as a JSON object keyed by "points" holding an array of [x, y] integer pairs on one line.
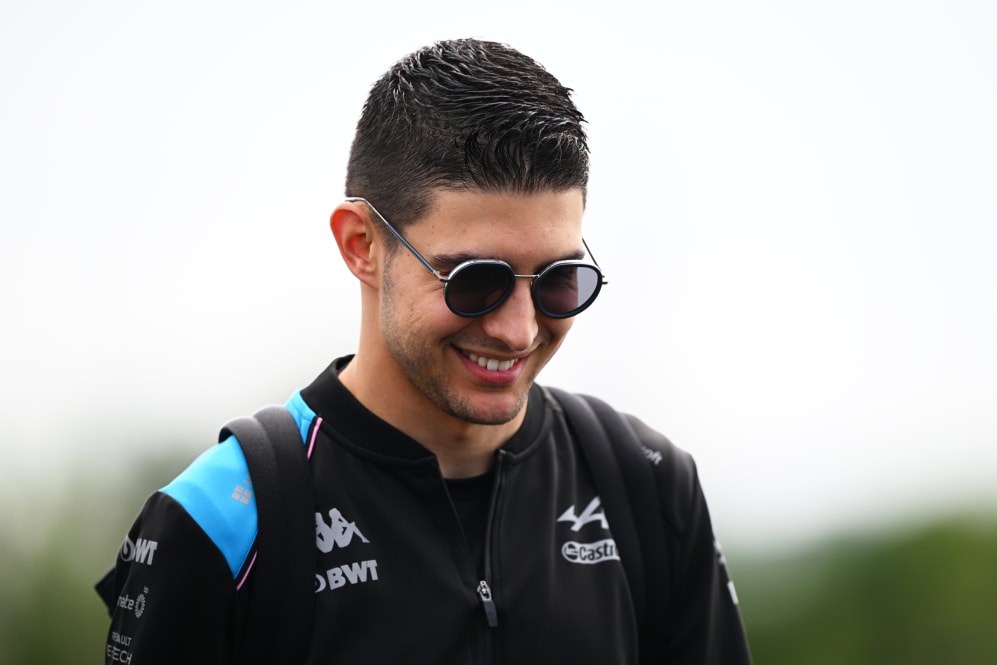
{"points": [[357, 572], [590, 515], [136, 605], [243, 492], [337, 532], [141, 551], [590, 553]]}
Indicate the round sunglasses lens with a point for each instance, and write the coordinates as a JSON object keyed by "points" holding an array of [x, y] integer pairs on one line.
{"points": [[477, 288], [565, 290]]}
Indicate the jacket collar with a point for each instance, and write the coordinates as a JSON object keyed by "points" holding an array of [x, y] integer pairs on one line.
{"points": [[346, 419]]}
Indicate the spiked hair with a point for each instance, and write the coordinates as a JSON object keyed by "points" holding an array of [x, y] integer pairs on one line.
{"points": [[465, 114]]}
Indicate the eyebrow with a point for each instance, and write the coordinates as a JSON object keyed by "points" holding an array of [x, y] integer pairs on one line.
{"points": [[445, 263]]}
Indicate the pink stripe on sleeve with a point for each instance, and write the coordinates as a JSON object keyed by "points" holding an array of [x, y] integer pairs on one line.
{"points": [[311, 444], [246, 575]]}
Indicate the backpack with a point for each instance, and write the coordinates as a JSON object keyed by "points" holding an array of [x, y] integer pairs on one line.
{"points": [[282, 605], [621, 466], [281, 608]]}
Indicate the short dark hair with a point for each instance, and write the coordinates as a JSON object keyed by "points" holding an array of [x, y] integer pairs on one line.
{"points": [[465, 114]]}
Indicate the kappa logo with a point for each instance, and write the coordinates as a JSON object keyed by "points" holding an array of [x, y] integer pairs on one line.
{"points": [[338, 532], [588, 515]]}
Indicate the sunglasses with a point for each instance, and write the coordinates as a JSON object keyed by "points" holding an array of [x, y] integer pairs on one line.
{"points": [[476, 287]]}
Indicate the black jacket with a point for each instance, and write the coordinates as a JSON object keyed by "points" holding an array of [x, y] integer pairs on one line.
{"points": [[395, 577]]}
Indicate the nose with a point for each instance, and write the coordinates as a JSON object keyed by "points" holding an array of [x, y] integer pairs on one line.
{"points": [[514, 322]]}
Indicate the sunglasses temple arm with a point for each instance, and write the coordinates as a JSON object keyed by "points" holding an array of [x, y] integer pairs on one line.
{"points": [[595, 261], [400, 237]]}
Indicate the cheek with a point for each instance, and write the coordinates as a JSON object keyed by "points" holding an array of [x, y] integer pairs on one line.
{"points": [[558, 328], [412, 304]]}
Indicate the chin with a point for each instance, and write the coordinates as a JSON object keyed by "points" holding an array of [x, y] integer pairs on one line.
{"points": [[494, 412]]}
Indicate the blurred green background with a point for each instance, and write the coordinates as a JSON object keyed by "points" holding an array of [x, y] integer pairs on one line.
{"points": [[921, 593]]}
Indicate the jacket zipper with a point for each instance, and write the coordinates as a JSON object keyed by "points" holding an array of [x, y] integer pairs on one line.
{"points": [[484, 589], [485, 593]]}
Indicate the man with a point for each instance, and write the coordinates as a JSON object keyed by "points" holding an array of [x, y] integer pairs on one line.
{"points": [[456, 519]]}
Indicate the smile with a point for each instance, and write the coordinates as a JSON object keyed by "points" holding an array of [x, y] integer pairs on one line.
{"points": [[490, 363]]}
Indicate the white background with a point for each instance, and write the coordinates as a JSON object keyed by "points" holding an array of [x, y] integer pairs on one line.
{"points": [[794, 202]]}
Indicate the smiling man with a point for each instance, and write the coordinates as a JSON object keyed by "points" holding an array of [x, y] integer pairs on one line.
{"points": [[460, 512], [459, 384]]}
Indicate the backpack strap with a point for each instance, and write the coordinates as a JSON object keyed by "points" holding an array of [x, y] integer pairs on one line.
{"points": [[626, 484], [279, 620]]}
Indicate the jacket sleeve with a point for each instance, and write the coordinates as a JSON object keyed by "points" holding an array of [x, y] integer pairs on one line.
{"points": [[704, 624], [171, 594]]}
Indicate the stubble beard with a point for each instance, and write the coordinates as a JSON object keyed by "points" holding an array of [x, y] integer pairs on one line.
{"points": [[421, 366]]}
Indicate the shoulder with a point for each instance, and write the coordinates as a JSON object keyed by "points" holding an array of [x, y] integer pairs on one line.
{"points": [[217, 492], [674, 470]]}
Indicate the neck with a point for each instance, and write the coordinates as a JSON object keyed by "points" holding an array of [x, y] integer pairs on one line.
{"points": [[463, 449]]}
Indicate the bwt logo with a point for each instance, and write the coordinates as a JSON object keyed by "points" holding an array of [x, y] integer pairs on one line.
{"points": [[352, 573], [141, 551]]}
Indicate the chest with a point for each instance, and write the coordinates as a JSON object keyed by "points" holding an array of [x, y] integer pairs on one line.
{"points": [[400, 577]]}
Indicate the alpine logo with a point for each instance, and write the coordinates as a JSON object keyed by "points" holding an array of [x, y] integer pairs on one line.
{"points": [[337, 532], [141, 551], [588, 553], [588, 515]]}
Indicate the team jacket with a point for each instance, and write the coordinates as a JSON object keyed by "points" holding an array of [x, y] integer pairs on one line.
{"points": [[395, 580]]}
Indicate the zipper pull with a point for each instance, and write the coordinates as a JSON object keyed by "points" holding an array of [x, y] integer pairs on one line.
{"points": [[485, 593]]}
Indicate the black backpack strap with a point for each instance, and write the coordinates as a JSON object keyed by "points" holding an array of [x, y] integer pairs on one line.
{"points": [[278, 624], [625, 481]]}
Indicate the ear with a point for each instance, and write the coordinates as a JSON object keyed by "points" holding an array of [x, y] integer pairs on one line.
{"points": [[357, 240]]}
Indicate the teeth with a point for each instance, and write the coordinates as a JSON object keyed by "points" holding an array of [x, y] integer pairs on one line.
{"points": [[491, 364]]}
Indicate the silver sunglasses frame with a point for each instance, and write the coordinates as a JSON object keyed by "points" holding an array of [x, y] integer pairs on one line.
{"points": [[533, 278]]}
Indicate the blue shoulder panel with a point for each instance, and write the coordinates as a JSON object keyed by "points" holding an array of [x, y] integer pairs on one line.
{"points": [[302, 413], [217, 493]]}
